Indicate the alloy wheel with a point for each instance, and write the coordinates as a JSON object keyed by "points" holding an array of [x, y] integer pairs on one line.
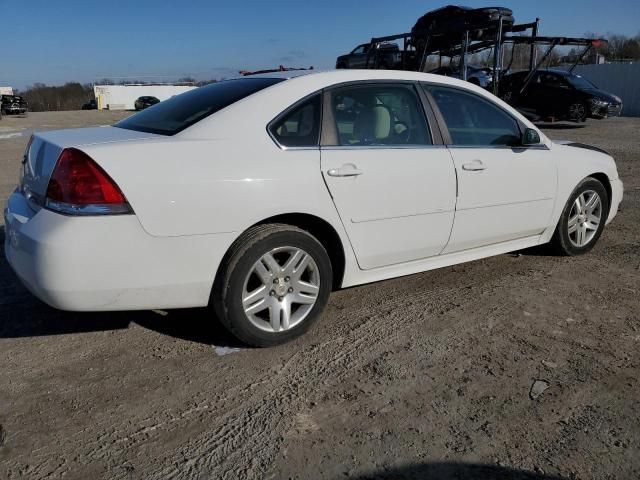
{"points": [[584, 218], [577, 112], [281, 289]]}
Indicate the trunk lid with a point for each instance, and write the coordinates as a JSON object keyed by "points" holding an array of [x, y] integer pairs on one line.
{"points": [[44, 149]]}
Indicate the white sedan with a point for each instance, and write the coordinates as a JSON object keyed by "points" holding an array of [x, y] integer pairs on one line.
{"points": [[257, 196]]}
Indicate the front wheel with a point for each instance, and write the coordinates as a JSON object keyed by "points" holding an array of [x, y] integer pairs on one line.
{"points": [[582, 219], [578, 112], [274, 284]]}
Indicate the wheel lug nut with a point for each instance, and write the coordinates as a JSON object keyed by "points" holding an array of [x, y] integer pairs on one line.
{"points": [[272, 293], [286, 279], [280, 298], [275, 280], [290, 289]]}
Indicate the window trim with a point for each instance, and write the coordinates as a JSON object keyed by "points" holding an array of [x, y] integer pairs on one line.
{"points": [[288, 110], [328, 120], [448, 141]]}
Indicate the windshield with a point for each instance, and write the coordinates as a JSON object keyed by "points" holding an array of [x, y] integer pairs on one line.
{"points": [[580, 82], [182, 111]]}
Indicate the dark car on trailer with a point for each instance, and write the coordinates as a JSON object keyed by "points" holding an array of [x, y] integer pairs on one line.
{"points": [[145, 102], [559, 95], [441, 28], [382, 55], [480, 76]]}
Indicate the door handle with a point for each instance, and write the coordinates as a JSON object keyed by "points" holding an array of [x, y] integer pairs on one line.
{"points": [[348, 170], [474, 166]]}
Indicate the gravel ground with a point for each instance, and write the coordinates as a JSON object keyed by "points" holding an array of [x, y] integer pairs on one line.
{"points": [[518, 366]]}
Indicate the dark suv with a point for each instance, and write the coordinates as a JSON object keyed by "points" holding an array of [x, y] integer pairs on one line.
{"points": [[13, 105], [384, 55], [145, 102], [560, 95]]}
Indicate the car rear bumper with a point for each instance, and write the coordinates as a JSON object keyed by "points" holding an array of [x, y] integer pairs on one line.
{"points": [[108, 262]]}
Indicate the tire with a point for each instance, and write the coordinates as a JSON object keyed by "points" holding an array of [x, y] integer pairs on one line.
{"points": [[577, 112], [267, 323], [568, 243]]}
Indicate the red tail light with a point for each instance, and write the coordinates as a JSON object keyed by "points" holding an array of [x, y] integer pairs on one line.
{"points": [[79, 186]]}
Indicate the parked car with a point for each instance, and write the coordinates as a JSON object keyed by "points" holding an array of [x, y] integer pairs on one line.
{"points": [[13, 105], [257, 196], [559, 94], [444, 27], [480, 76], [145, 102], [90, 105], [384, 56]]}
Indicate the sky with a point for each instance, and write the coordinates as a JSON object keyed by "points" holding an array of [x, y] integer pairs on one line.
{"points": [[55, 41]]}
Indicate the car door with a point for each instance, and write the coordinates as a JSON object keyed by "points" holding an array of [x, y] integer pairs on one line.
{"points": [[358, 58], [392, 180], [505, 191], [556, 93], [531, 99]]}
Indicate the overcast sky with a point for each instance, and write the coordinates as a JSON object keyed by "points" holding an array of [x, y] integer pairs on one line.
{"points": [[85, 40]]}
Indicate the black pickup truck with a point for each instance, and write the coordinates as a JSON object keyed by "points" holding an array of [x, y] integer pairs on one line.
{"points": [[381, 55]]}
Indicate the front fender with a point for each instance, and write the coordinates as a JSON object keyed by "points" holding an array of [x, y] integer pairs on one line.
{"points": [[575, 162]]}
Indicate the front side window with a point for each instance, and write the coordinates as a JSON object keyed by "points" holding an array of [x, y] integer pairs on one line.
{"points": [[378, 114], [580, 82], [182, 111], [300, 126], [472, 120], [552, 80]]}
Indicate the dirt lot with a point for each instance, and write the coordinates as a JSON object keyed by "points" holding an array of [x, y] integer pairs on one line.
{"points": [[427, 376]]}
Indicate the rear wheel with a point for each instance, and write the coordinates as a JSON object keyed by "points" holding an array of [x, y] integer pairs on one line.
{"points": [[582, 219], [273, 286]]}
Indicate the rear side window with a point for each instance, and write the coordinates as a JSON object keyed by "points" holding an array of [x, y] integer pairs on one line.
{"points": [[472, 120], [300, 126], [182, 111]]}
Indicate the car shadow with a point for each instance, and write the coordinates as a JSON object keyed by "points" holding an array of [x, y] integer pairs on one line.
{"points": [[456, 471], [545, 250], [560, 126], [23, 315]]}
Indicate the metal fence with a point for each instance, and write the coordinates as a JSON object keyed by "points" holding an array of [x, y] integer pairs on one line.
{"points": [[621, 79]]}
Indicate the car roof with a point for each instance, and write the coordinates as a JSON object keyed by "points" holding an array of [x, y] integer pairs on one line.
{"points": [[348, 75], [298, 84], [284, 75]]}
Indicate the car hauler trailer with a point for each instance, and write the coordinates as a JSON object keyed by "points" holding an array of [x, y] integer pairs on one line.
{"points": [[459, 37]]}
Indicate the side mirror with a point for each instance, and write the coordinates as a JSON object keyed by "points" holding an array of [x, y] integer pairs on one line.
{"points": [[530, 137]]}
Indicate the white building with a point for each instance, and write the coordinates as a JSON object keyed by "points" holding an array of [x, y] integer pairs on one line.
{"points": [[6, 91], [122, 97]]}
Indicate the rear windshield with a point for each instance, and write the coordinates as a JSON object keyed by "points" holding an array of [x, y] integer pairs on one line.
{"points": [[182, 111]]}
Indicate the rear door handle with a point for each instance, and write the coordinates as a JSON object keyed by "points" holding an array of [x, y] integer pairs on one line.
{"points": [[474, 166], [348, 170]]}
